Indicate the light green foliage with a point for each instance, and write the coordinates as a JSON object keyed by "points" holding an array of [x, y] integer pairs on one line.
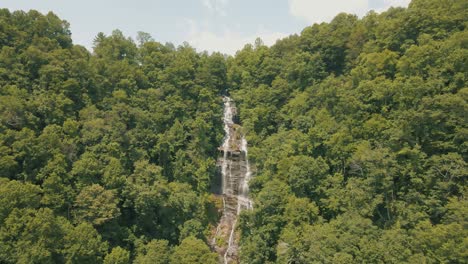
{"points": [[302, 173], [118, 255], [192, 228], [357, 135], [300, 211], [29, 235], [193, 251], [370, 126], [156, 251], [83, 244], [261, 228], [95, 205]]}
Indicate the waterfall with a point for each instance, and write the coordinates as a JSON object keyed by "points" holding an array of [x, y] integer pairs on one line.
{"points": [[228, 122], [235, 177], [248, 174]]}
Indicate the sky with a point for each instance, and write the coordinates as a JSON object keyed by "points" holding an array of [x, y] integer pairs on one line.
{"points": [[211, 25]]}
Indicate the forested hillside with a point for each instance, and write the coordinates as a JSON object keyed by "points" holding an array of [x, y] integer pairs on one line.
{"points": [[358, 129], [357, 133], [104, 156]]}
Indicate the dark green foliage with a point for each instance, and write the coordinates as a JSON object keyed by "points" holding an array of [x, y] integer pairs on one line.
{"points": [[102, 152], [357, 131], [14, 194], [156, 251], [367, 138], [29, 235]]}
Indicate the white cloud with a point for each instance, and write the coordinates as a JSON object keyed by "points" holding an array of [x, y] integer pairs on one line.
{"points": [[217, 7], [313, 11], [403, 3], [228, 41], [395, 3], [317, 11]]}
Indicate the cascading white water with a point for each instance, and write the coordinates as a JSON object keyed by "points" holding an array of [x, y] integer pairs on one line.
{"points": [[248, 174], [235, 177], [228, 122], [231, 236]]}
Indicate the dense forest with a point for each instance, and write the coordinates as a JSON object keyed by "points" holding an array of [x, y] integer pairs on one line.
{"points": [[357, 133]]}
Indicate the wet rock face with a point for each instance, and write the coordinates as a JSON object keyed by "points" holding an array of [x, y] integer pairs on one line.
{"points": [[235, 169], [235, 174]]}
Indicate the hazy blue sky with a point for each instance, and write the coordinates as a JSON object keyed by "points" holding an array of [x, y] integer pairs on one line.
{"points": [[213, 25]]}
